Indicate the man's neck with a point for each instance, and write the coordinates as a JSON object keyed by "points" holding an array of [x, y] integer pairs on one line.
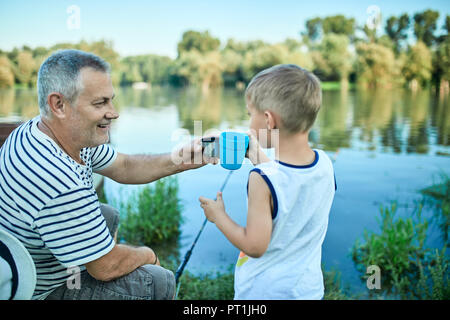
{"points": [[51, 129]]}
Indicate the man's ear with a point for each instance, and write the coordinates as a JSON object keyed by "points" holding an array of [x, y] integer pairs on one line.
{"points": [[271, 120], [57, 104]]}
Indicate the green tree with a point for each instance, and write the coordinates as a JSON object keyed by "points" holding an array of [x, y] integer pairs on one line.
{"points": [[447, 24], [441, 63], [200, 41], [339, 24], [210, 71], [129, 71], [25, 68], [418, 65], [152, 69], [313, 29], [396, 29], [333, 59], [40, 51], [376, 65], [236, 46], [293, 44], [195, 68], [262, 58], [159, 69], [232, 66], [270, 55], [6, 73], [425, 25]]}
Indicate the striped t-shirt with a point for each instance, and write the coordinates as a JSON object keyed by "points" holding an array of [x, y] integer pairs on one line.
{"points": [[48, 202]]}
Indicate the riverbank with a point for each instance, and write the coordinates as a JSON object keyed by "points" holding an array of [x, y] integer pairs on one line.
{"points": [[409, 268]]}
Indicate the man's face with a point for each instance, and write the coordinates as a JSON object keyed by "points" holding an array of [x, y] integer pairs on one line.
{"points": [[90, 117]]}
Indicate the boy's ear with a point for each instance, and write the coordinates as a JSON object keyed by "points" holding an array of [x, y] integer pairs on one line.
{"points": [[57, 104], [271, 120]]}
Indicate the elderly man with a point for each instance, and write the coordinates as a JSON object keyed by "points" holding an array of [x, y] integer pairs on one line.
{"points": [[47, 199]]}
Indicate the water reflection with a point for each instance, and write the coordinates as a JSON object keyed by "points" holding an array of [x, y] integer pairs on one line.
{"points": [[397, 121], [441, 119], [332, 125], [18, 103]]}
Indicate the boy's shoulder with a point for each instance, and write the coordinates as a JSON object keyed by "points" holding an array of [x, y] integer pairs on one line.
{"points": [[322, 159]]}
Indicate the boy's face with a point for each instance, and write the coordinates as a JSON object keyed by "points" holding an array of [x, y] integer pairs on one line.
{"points": [[258, 124]]}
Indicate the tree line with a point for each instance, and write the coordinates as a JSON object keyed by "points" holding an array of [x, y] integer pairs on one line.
{"points": [[335, 48]]}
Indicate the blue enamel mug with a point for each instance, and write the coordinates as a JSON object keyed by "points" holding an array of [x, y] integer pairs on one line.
{"points": [[233, 147]]}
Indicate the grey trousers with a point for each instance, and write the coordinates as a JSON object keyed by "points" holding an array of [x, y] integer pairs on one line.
{"points": [[148, 282]]}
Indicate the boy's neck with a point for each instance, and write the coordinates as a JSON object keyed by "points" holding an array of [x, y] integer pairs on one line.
{"points": [[294, 149]]}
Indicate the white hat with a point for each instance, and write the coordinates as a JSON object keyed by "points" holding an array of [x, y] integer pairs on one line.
{"points": [[17, 270]]}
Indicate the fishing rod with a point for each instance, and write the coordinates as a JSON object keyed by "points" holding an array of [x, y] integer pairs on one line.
{"points": [[180, 269]]}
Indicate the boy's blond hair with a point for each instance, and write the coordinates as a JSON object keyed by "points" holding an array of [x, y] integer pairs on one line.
{"points": [[291, 92]]}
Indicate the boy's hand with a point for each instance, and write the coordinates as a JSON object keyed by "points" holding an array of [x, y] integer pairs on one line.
{"points": [[254, 151], [213, 209]]}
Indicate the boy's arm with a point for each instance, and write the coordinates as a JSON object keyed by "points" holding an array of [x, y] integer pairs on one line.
{"points": [[254, 238]]}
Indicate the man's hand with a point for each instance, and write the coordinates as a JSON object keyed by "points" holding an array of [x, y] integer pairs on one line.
{"points": [[213, 209], [190, 156]]}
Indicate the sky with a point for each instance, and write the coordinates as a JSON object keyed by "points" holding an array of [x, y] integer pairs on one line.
{"points": [[143, 27]]}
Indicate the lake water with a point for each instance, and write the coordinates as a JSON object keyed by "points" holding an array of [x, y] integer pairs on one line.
{"points": [[390, 145]]}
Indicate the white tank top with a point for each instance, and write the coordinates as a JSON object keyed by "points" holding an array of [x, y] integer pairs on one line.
{"points": [[291, 266]]}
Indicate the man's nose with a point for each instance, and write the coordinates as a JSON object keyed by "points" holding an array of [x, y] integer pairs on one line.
{"points": [[112, 113]]}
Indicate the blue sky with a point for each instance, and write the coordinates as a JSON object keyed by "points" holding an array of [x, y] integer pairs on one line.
{"points": [[139, 27]]}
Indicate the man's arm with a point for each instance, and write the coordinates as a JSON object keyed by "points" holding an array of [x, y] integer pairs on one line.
{"points": [[121, 260], [142, 169]]}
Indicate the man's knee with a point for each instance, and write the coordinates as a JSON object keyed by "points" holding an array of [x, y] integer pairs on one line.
{"points": [[163, 282], [149, 282]]}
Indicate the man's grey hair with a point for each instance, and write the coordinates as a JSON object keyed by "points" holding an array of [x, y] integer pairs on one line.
{"points": [[61, 73]]}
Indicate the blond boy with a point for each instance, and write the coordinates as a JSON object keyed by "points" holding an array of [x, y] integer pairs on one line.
{"points": [[289, 198]]}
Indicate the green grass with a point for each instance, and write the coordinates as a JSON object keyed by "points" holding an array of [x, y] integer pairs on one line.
{"points": [[220, 286], [409, 269], [334, 85], [152, 216], [209, 286]]}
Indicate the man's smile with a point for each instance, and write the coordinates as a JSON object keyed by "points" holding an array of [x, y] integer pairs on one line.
{"points": [[104, 125]]}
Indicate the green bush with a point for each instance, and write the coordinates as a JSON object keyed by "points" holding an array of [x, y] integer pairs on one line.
{"points": [[153, 215], [334, 290], [438, 195], [433, 283], [409, 270], [209, 286]]}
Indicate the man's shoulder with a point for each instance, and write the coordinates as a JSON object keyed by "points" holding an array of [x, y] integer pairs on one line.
{"points": [[34, 163]]}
